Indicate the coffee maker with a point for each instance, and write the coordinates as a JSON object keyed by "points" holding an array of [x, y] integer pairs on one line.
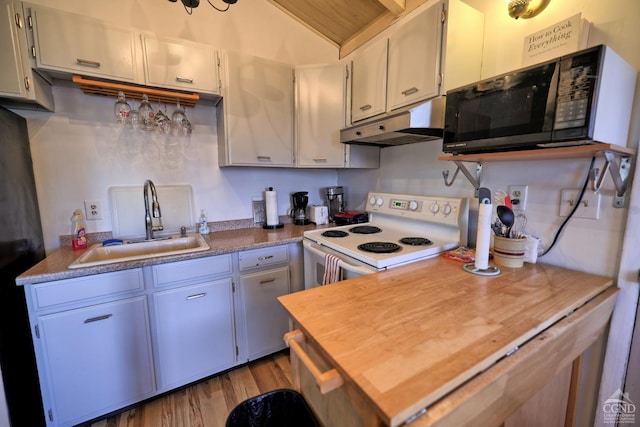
{"points": [[335, 199], [299, 211]]}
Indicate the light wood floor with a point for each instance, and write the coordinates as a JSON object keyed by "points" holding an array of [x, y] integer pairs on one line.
{"points": [[208, 403]]}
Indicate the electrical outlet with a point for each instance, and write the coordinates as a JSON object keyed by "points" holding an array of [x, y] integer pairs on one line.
{"points": [[93, 209], [589, 205], [518, 196]]}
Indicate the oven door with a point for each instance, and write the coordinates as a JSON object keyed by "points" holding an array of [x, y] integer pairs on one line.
{"points": [[314, 258]]}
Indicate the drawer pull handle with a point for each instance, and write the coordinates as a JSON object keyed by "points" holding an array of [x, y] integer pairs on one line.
{"points": [[195, 296], [326, 381], [184, 80], [98, 318], [88, 63], [319, 159], [266, 158], [365, 107], [265, 281], [410, 91], [262, 258]]}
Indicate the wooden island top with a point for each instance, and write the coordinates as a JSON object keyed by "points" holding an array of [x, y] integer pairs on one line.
{"points": [[409, 336]]}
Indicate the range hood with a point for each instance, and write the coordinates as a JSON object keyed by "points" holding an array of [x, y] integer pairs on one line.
{"points": [[417, 123]]}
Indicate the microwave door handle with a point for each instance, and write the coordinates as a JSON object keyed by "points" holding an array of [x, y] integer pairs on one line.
{"points": [[352, 268]]}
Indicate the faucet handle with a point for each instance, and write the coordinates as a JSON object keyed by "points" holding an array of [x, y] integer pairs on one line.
{"points": [[183, 231]]}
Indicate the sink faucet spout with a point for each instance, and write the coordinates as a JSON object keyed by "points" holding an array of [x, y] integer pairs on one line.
{"points": [[151, 211]]}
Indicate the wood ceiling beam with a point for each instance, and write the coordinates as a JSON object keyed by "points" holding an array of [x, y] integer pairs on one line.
{"points": [[396, 7]]}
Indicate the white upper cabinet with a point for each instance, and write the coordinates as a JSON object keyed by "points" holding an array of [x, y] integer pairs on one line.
{"points": [[180, 65], [414, 59], [369, 82], [321, 102], [71, 43], [435, 49], [255, 116], [17, 80]]}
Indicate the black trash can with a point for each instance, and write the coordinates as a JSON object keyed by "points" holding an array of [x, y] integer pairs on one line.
{"points": [[278, 408]]}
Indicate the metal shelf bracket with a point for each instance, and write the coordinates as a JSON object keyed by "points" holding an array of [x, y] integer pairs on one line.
{"points": [[475, 181], [619, 166]]}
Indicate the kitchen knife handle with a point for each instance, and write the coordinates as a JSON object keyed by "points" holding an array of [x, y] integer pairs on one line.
{"points": [[326, 381]]}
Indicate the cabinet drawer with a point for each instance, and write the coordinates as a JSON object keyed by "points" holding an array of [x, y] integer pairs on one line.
{"points": [[188, 270], [262, 257], [82, 288]]}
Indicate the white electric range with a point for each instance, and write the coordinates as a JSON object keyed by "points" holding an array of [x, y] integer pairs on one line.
{"points": [[402, 228]]}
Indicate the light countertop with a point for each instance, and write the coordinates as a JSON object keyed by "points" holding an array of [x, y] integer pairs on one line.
{"points": [[54, 266]]}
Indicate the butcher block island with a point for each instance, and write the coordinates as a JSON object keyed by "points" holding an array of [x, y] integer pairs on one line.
{"points": [[433, 344]]}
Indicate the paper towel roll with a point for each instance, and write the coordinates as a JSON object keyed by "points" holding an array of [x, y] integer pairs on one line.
{"points": [[483, 238], [271, 206]]}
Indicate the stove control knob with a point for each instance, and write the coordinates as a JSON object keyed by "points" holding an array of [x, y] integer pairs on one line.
{"points": [[447, 209], [434, 208], [379, 201], [372, 200], [413, 205]]}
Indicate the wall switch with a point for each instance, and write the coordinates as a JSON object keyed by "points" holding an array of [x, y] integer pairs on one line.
{"points": [[93, 209], [518, 196], [589, 205]]}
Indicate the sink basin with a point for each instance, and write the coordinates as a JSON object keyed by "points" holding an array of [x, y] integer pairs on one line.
{"points": [[130, 251]]}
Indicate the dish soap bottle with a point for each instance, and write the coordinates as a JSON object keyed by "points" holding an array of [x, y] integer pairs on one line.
{"points": [[78, 230], [204, 225]]}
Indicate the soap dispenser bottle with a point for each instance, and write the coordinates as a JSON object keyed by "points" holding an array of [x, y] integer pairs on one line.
{"points": [[204, 225], [78, 230]]}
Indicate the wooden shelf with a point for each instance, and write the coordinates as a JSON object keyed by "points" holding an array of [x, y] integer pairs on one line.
{"points": [[574, 152], [109, 89], [617, 162]]}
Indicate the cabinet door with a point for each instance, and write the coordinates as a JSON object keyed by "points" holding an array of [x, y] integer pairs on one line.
{"points": [[266, 320], [194, 330], [255, 116], [76, 44], [11, 77], [17, 81], [414, 59], [369, 81], [98, 358], [320, 103], [180, 65]]}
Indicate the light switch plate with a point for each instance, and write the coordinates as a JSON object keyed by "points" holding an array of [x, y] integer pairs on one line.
{"points": [[589, 205]]}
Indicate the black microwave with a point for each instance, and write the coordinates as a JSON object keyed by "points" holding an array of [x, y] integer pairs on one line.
{"points": [[584, 97]]}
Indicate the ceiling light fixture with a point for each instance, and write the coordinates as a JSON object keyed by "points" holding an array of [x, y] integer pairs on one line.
{"points": [[189, 5], [526, 9]]}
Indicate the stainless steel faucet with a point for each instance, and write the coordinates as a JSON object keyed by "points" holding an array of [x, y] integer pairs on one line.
{"points": [[154, 212]]}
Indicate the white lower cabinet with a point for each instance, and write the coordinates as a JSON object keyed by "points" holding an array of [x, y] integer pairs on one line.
{"points": [[98, 358], [93, 345], [265, 318], [264, 276], [107, 341], [195, 332]]}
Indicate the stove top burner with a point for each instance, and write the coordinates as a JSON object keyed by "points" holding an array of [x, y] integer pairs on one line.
{"points": [[365, 229], [380, 247], [416, 241], [335, 233]]}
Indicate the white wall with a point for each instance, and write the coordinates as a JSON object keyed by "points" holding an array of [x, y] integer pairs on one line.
{"points": [[78, 151], [588, 245]]}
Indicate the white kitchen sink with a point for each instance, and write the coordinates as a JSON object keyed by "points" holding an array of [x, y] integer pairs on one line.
{"points": [[136, 250]]}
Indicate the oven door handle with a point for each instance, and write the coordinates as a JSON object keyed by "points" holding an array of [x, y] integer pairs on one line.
{"points": [[344, 265]]}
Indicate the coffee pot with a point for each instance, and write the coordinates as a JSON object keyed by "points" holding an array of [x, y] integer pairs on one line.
{"points": [[335, 199], [299, 211]]}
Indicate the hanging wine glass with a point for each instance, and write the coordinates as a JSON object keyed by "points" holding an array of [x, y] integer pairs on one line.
{"points": [[177, 120], [122, 109], [163, 124], [146, 114]]}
